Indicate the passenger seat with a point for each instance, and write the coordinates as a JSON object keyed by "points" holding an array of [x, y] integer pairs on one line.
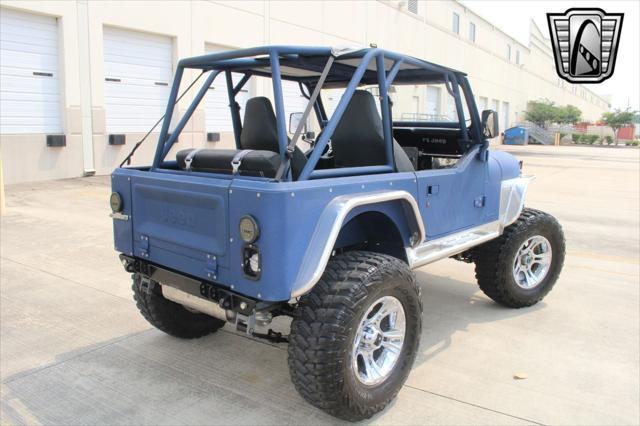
{"points": [[358, 139], [260, 132]]}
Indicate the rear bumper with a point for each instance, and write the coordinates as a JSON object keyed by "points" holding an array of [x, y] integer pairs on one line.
{"points": [[206, 290]]}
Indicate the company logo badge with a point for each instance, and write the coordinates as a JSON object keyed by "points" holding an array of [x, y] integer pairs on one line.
{"points": [[585, 43]]}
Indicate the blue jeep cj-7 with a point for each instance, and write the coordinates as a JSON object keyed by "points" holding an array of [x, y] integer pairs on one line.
{"points": [[327, 229]]}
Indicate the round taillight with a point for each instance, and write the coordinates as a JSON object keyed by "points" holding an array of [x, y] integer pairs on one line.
{"points": [[249, 231], [116, 202]]}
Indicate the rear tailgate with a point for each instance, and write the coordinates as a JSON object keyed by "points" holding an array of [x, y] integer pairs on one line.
{"points": [[181, 223]]}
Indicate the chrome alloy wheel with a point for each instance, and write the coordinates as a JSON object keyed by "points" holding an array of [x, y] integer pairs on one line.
{"points": [[532, 262], [378, 341]]}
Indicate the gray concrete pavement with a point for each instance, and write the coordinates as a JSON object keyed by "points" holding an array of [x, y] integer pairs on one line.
{"points": [[74, 350]]}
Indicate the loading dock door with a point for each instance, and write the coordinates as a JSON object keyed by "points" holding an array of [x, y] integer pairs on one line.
{"points": [[29, 74], [138, 69]]}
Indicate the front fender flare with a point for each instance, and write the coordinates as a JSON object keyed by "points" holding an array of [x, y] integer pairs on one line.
{"points": [[512, 194], [328, 227]]}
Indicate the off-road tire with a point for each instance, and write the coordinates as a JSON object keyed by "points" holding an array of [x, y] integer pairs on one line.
{"points": [[494, 260], [170, 317], [324, 326]]}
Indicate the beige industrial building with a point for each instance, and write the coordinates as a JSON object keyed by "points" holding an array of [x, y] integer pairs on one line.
{"points": [[90, 70]]}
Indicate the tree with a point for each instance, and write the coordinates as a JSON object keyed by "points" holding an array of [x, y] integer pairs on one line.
{"points": [[618, 119], [541, 112], [569, 114], [545, 111]]}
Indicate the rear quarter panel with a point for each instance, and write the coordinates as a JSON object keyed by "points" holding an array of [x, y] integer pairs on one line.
{"points": [[287, 214]]}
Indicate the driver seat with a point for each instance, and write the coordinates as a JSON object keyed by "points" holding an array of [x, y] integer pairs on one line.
{"points": [[358, 139], [260, 132]]}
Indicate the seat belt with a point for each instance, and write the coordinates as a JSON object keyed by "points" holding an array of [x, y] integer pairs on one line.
{"points": [[284, 166], [237, 160]]}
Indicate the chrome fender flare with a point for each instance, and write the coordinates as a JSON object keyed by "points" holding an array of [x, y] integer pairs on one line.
{"points": [[512, 195], [328, 228]]}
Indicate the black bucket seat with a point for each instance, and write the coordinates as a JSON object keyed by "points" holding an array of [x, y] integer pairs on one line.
{"points": [[260, 132], [358, 139]]}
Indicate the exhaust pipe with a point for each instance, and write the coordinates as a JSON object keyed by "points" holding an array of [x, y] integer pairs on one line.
{"points": [[197, 304]]}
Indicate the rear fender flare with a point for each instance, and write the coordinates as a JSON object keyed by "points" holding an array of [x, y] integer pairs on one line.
{"points": [[335, 215]]}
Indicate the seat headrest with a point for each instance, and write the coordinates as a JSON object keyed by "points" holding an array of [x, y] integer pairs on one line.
{"points": [[259, 129]]}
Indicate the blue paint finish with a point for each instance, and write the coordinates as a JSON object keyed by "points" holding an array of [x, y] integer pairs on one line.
{"points": [[194, 217], [186, 217], [508, 164], [178, 221], [287, 222], [188, 221], [452, 208]]}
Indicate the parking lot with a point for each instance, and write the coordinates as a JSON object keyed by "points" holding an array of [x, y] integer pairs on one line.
{"points": [[74, 349]]}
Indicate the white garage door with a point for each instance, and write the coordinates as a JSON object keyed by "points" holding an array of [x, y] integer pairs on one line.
{"points": [[216, 102], [138, 74], [29, 77]]}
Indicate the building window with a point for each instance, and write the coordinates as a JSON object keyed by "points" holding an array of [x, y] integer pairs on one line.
{"points": [[508, 52], [412, 5], [472, 31], [518, 57], [456, 23]]}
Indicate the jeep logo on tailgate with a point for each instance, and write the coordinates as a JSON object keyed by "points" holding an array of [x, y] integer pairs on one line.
{"points": [[178, 217]]}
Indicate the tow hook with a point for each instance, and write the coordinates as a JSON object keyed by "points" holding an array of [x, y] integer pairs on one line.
{"points": [[247, 324]]}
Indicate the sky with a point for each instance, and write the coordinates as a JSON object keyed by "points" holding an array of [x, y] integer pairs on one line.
{"points": [[513, 17]]}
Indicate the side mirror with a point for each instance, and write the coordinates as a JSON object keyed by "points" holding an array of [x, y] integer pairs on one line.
{"points": [[490, 123], [294, 121]]}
